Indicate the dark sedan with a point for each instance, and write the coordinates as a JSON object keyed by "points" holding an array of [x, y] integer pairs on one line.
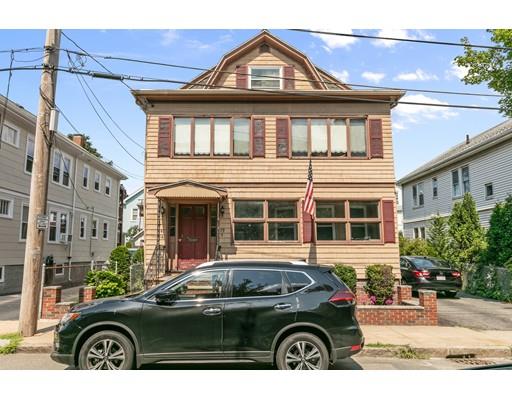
{"points": [[430, 273]]}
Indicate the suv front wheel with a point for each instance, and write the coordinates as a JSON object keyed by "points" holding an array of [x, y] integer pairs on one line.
{"points": [[302, 351], [106, 350]]}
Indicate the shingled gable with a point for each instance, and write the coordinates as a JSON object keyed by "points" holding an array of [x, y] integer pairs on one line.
{"points": [[210, 78]]}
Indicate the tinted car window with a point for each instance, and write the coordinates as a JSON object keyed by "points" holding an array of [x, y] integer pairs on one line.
{"points": [[257, 283], [206, 285], [297, 280], [426, 263]]}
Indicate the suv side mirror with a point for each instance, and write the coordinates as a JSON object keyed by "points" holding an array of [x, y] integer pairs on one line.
{"points": [[166, 298]]}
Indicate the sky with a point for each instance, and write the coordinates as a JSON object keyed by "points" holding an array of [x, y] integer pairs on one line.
{"points": [[419, 132]]}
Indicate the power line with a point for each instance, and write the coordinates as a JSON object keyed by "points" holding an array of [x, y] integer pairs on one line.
{"points": [[438, 42], [26, 50], [103, 122], [105, 111], [157, 63], [101, 75]]}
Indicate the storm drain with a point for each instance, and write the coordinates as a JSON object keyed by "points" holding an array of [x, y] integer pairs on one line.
{"points": [[472, 361]]}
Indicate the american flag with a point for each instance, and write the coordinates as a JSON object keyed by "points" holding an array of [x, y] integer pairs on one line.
{"points": [[309, 203]]}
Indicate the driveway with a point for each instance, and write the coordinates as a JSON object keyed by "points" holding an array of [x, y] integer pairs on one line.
{"points": [[474, 312], [10, 304]]}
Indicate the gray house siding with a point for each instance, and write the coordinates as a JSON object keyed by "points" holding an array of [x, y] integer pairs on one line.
{"points": [[494, 165], [72, 201]]}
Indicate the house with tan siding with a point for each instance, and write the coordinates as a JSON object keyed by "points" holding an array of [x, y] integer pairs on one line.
{"points": [[227, 160], [83, 204]]}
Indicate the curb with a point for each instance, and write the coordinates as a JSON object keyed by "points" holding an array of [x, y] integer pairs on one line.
{"points": [[441, 352], [34, 349]]}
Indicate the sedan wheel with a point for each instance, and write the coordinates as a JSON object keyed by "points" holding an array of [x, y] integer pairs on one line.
{"points": [[106, 350], [302, 351]]}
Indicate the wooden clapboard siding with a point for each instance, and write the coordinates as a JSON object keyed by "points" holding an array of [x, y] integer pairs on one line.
{"points": [[272, 58]]}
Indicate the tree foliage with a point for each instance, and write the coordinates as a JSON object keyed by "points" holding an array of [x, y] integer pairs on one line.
{"points": [[499, 235], [107, 283], [347, 274], [413, 247], [492, 66], [438, 239], [379, 283], [88, 145], [120, 260], [467, 236]]}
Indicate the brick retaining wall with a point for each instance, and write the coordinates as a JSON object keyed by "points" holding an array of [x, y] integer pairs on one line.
{"points": [[54, 308]]}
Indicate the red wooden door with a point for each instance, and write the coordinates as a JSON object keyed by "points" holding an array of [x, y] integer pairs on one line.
{"points": [[192, 240]]}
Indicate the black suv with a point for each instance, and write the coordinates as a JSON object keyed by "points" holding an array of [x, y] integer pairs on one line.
{"points": [[295, 315]]}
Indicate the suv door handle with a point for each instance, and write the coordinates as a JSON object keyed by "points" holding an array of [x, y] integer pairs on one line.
{"points": [[211, 311], [282, 306]]}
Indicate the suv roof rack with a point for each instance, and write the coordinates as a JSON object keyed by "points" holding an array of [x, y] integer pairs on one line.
{"points": [[242, 261]]}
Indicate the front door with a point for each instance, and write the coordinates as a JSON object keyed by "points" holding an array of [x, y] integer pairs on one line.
{"points": [[192, 239]]}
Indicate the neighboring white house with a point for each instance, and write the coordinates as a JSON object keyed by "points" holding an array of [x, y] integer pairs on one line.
{"points": [[481, 165], [399, 210], [83, 204], [133, 216]]}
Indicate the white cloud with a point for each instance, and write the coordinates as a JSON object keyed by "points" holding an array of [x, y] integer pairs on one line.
{"points": [[341, 75], [169, 37], [397, 125], [456, 71], [415, 114], [332, 42], [374, 77], [199, 45], [418, 75], [399, 34]]}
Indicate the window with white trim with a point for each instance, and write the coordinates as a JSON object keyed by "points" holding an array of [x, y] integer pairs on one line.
{"points": [[104, 235], [83, 227], [2, 273], [97, 181], [58, 227], [52, 228], [265, 77], [24, 222], [435, 188], [85, 176], [6, 206], [94, 229], [61, 168], [11, 135], [29, 154], [460, 181], [135, 213], [108, 186], [418, 197], [489, 191]]}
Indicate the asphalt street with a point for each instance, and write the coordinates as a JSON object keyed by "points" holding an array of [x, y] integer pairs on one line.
{"points": [[22, 361]]}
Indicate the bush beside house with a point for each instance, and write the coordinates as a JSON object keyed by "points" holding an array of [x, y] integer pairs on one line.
{"points": [[380, 282], [347, 274]]}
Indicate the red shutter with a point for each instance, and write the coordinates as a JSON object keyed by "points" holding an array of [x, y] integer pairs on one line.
{"points": [[289, 76], [307, 227], [282, 137], [164, 136], [241, 77], [376, 146], [388, 218], [258, 137]]}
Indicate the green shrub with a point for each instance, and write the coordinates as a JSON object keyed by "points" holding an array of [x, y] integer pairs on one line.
{"points": [[413, 247], [138, 256], [107, 283], [347, 274], [379, 283], [120, 260], [499, 235]]}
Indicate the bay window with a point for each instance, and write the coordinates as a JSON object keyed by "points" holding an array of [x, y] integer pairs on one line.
{"points": [[333, 137]]}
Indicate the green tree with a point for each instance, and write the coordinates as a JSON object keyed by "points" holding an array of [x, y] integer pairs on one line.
{"points": [[499, 234], [438, 239], [467, 236], [492, 66], [88, 145], [413, 247], [120, 260]]}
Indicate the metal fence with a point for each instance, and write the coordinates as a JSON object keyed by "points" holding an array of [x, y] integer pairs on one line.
{"points": [[136, 280]]}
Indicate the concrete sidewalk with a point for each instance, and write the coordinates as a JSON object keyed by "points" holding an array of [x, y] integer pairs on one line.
{"points": [[381, 341]]}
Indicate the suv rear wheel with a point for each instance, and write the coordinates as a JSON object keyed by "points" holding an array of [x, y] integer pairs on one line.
{"points": [[302, 351], [106, 350]]}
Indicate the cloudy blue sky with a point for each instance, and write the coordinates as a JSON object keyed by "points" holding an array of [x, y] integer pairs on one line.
{"points": [[420, 132]]}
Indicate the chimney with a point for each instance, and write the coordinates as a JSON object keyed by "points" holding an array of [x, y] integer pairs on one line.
{"points": [[467, 139], [79, 140]]}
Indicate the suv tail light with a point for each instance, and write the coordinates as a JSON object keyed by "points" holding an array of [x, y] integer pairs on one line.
{"points": [[344, 296], [456, 274], [421, 274]]}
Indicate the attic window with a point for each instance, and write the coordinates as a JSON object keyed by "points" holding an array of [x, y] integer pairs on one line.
{"points": [[264, 48], [265, 77]]}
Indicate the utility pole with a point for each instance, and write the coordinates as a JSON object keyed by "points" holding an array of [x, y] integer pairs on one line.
{"points": [[37, 217]]}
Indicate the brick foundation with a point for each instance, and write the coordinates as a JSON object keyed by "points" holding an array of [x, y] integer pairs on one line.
{"points": [[403, 312], [87, 293]]}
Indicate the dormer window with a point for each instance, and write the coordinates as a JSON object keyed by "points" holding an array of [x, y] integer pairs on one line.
{"points": [[265, 78]]}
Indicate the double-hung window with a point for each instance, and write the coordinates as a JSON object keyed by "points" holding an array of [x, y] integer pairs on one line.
{"points": [[418, 197], [85, 176], [29, 154], [11, 135], [435, 187], [58, 227], [335, 137], [94, 228], [108, 186], [97, 181], [61, 168], [6, 207], [217, 137], [135, 213], [460, 181], [83, 227], [105, 230], [265, 77], [24, 222], [259, 220]]}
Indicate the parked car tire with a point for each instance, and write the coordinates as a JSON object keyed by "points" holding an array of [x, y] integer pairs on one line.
{"points": [[302, 351], [106, 350], [451, 294]]}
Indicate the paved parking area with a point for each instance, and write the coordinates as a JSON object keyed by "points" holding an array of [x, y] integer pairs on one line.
{"points": [[474, 312]]}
